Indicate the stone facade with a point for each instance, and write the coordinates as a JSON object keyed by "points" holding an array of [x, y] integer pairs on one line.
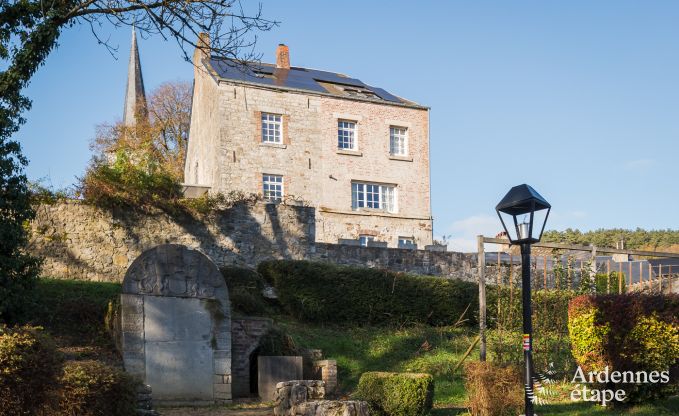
{"points": [[226, 152], [79, 241], [176, 325], [246, 334]]}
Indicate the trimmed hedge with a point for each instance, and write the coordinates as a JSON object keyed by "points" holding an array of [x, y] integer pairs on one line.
{"points": [[90, 388], [327, 293], [397, 394], [29, 366], [629, 332], [245, 290]]}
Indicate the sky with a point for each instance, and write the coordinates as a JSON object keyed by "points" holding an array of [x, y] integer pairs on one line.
{"points": [[579, 99]]}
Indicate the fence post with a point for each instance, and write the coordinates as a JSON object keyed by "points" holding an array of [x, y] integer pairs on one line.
{"points": [[482, 298], [620, 278], [660, 276], [544, 266], [608, 276], [629, 269]]}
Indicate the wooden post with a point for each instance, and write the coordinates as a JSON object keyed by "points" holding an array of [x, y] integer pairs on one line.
{"points": [[659, 276], [544, 267], [620, 278], [482, 298], [629, 269], [608, 276], [641, 276], [568, 269], [671, 280], [499, 270]]}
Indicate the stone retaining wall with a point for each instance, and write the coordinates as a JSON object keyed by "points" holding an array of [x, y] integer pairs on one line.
{"points": [[79, 241]]}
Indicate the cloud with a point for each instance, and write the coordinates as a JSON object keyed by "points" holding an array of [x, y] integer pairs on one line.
{"points": [[462, 233], [639, 164]]}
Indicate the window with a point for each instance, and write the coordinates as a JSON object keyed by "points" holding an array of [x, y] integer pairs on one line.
{"points": [[370, 195], [271, 128], [273, 187], [346, 135], [364, 240], [398, 141], [406, 242]]}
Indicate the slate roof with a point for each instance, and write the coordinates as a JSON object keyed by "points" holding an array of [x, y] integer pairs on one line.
{"points": [[305, 79]]}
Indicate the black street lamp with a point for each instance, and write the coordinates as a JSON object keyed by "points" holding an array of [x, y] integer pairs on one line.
{"points": [[522, 203]]}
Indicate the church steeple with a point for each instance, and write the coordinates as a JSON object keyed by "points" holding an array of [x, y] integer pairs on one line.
{"points": [[135, 96]]}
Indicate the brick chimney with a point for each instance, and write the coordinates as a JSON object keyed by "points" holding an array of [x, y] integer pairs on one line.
{"points": [[282, 56], [202, 48]]}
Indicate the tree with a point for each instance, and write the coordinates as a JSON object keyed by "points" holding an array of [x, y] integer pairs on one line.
{"points": [[142, 164], [29, 31]]}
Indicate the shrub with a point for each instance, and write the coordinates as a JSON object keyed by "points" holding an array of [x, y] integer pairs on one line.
{"points": [[397, 394], [551, 351], [630, 332], [90, 388], [29, 365], [493, 390], [245, 290], [327, 293]]}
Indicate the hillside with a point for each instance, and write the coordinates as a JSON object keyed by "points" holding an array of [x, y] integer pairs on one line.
{"points": [[639, 239]]}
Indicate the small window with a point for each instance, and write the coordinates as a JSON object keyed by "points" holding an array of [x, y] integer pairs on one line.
{"points": [[346, 135], [398, 141], [271, 128], [406, 242], [273, 187], [364, 240], [372, 195]]}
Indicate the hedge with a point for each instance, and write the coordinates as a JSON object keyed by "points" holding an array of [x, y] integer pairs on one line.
{"points": [[629, 332], [550, 309], [327, 293], [397, 394], [29, 366], [245, 290]]}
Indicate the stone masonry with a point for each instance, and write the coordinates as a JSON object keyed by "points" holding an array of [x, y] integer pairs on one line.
{"points": [[79, 241], [305, 398], [226, 153]]}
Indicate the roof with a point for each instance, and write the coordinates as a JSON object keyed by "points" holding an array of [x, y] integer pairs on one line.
{"points": [[305, 79]]}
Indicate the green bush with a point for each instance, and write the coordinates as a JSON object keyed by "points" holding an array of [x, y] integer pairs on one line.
{"points": [[327, 293], [90, 388], [397, 394], [551, 351], [29, 366], [629, 332], [550, 309], [245, 290]]}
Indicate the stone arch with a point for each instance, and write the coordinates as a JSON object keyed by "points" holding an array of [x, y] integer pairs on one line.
{"points": [[176, 324]]}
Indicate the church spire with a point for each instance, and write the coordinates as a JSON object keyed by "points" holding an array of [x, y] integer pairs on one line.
{"points": [[135, 96]]}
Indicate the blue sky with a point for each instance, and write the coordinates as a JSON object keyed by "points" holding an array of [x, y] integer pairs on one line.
{"points": [[580, 99]]}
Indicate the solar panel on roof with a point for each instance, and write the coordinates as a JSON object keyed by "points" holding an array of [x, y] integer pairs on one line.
{"points": [[300, 78]]}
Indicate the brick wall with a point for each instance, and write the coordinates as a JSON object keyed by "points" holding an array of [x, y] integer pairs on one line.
{"points": [[245, 336]]}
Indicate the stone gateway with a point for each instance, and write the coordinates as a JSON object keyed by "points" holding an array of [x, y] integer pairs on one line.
{"points": [[176, 325]]}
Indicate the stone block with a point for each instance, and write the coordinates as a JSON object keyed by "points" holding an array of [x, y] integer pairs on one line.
{"points": [[273, 370]]}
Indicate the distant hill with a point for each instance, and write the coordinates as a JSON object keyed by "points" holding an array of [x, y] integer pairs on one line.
{"points": [[639, 239]]}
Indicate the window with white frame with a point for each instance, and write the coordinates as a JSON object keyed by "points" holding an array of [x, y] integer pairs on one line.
{"points": [[346, 135], [271, 128], [398, 141], [272, 187], [364, 240], [372, 195], [406, 242]]}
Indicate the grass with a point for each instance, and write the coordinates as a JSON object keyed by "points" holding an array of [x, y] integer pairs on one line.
{"points": [[73, 312], [417, 349]]}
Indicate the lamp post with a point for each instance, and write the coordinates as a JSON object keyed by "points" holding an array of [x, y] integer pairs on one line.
{"points": [[523, 201]]}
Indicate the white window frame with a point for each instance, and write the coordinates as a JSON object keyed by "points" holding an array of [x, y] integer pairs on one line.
{"points": [[273, 187], [365, 239], [272, 128], [347, 134], [405, 241], [365, 195], [398, 141]]}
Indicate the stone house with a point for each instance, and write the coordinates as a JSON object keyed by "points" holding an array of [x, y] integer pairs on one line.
{"points": [[356, 153]]}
